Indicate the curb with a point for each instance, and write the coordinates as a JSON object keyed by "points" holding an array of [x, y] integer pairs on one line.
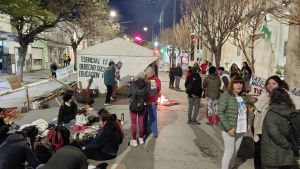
{"points": [[29, 85], [23, 87]]}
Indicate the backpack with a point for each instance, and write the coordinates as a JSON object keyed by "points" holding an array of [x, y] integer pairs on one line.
{"points": [[55, 139], [294, 119], [31, 132], [43, 151], [137, 102], [65, 133], [189, 87]]}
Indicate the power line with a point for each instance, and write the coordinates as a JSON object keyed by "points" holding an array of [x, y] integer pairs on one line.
{"points": [[163, 8]]}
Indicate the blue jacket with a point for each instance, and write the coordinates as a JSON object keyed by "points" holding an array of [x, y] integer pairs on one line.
{"points": [[109, 77], [178, 71], [107, 142]]}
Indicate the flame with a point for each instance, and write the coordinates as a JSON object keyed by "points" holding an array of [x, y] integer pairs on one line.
{"points": [[162, 100]]}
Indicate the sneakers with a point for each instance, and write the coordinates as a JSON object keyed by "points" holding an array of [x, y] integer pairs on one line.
{"points": [[141, 141], [107, 104], [155, 135], [195, 123], [133, 143], [189, 122], [111, 98], [209, 123]]}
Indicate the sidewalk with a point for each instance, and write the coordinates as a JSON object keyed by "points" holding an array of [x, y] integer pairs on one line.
{"points": [[27, 78], [17, 99]]}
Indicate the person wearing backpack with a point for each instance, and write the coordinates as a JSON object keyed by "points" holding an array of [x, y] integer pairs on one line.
{"points": [[261, 107], [276, 147], [194, 91], [137, 94]]}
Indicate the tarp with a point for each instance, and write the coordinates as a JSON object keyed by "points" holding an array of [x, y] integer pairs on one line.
{"points": [[65, 72], [94, 61]]}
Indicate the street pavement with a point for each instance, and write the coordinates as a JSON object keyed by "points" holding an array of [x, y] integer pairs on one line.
{"points": [[179, 145]]}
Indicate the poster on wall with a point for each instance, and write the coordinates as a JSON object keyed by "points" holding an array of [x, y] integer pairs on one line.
{"points": [[258, 86], [89, 65]]}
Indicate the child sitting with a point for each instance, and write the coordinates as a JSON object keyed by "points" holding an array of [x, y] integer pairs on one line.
{"points": [[81, 120], [92, 115]]}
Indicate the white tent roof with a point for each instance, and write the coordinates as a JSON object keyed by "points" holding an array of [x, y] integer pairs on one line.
{"points": [[117, 47]]}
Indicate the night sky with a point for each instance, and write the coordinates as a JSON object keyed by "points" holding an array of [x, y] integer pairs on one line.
{"points": [[144, 13]]}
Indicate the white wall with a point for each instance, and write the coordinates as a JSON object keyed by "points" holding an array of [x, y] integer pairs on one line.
{"points": [[5, 23]]}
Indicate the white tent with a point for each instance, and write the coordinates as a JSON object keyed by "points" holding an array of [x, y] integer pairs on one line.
{"points": [[94, 60]]}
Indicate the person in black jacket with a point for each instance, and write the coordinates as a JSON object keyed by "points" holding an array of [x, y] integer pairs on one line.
{"points": [[15, 151], [172, 77], [137, 86], [195, 95], [67, 111], [106, 144], [178, 75], [68, 157], [4, 128], [53, 69]]}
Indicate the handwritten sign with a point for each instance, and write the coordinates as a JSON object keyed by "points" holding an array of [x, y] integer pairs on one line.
{"points": [[89, 66], [258, 86], [15, 82]]}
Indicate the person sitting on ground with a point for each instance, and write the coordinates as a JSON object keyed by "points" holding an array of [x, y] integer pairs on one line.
{"points": [[136, 87], [4, 128], [91, 113], [81, 120], [15, 150], [106, 144], [67, 111], [68, 157]]}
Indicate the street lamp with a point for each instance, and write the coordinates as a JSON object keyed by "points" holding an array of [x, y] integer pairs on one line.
{"points": [[145, 29], [112, 13], [155, 44]]}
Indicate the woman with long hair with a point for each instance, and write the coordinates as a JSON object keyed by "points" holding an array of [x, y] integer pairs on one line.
{"points": [[261, 107], [197, 65], [234, 118], [106, 145], [276, 133], [234, 68]]}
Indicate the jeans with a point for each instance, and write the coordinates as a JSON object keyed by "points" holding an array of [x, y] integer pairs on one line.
{"points": [[177, 81], [151, 112], [232, 145], [65, 124], [98, 155], [54, 74], [210, 101], [140, 118], [194, 103], [257, 156], [65, 63], [109, 93], [172, 81], [115, 88]]}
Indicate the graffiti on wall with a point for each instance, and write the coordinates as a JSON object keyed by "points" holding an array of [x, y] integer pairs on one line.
{"points": [[7, 64]]}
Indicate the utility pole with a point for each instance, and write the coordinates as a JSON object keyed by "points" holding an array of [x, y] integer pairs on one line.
{"points": [[174, 14]]}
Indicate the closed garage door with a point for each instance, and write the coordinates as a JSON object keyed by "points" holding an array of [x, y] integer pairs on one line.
{"points": [[37, 57]]}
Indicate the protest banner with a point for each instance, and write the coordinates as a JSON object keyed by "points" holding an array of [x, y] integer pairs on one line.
{"points": [[258, 86], [65, 72]]}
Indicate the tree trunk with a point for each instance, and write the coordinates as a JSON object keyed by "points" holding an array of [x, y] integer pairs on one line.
{"points": [[22, 52], [252, 56], [217, 58], [74, 47], [173, 56]]}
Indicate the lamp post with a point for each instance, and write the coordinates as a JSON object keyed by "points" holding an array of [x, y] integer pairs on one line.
{"points": [[145, 29], [112, 13]]}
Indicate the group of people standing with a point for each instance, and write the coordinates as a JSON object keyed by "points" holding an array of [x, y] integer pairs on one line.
{"points": [[54, 66], [226, 92]]}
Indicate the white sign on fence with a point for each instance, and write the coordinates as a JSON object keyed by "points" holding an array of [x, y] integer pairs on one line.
{"points": [[89, 65], [258, 86], [65, 72]]}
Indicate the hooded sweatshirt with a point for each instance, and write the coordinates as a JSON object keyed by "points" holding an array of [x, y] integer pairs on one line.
{"points": [[15, 151], [213, 84], [225, 79]]}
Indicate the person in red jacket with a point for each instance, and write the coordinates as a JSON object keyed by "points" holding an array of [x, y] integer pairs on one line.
{"points": [[203, 68], [154, 87]]}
